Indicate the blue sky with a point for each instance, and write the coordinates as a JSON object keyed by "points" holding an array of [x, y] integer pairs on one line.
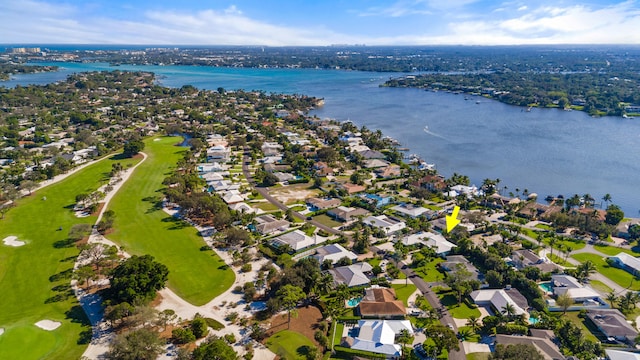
{"points": [[315, 22]]}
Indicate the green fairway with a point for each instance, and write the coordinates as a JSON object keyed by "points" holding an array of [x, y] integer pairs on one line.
{"points": [[142, 227], [289, 345], [35, 278]]}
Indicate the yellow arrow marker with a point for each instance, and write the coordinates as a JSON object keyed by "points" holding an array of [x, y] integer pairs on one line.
{"points": [[452, 220]]}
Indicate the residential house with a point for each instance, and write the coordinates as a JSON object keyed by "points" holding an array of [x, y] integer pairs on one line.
{"points": [[379, 336], [381, 303], [267, 224], [499, 298], [454, 262], [390, 171], [297, 240], [613, 324], [211, 167], [525, 257], [316, 204], [333, 253], [565, 284], [371, 154], [431, 182], [322, 169], [274, 168], [218, 153], [242, 207], [613, 354], [542, 340], [344, 213], [232, 197], [411, 210], [271, 148], [375, 164], [626, 262], [386, 223], [468, 191], [623, 227], [352, 275], [284, 177], [377, 200], [352, 188], [438, 242]]}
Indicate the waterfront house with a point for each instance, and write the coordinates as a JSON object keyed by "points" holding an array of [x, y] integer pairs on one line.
{"points": [[333, 253], [371, 154], [613, 324], [626, 262], [381, 303], [525, 257], [431, 182], [379, 336], [390, 171], [352, 275], [375, 163], [385, 223], [623, 227], [376, 200]]}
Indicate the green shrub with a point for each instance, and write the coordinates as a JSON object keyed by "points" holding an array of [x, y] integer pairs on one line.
{"points": [[182, 336], [199, 327]]}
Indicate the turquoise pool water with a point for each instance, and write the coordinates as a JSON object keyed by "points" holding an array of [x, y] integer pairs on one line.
{"points": [[546, 286], [354, 302], [533, 320]]}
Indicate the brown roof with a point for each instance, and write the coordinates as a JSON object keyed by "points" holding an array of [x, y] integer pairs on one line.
{"points": [[381, 302], [353, 188], [546, 347]]}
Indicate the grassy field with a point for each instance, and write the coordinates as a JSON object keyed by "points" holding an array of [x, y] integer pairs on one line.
{"points": [[619, 276], [404, 291], [289, 345], [34, 279], [600, 286], [141, 227], [613, 250], [588, 329], [430, 272], [458, 311], [326, 220], [478, 356], [544, 227]]}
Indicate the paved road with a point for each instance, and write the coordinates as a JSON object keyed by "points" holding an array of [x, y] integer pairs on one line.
{"points": [[265, 193]]}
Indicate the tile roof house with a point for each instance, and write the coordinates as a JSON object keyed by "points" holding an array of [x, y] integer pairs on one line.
{"points": [[379, 336], [352, 275], [525, 257], [297, 240], [218, 153], [453, 261], [344, 213], [386, 223], [623, 227], [267, 224], [381, 303], [613, 324], [371, 154], [387, 172], [352, 188], [333, 253], [543, 344]]}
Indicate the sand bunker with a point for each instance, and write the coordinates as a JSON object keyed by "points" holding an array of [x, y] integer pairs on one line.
{"points": [[1, 331], [48, 325], [13, 241]]}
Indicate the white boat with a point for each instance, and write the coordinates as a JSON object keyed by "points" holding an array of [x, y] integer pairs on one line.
{"points": [[426, 166]]}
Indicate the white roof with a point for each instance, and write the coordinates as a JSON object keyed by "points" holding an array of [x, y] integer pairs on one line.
{"points": [[379, 335], [628, 260], [498, 298], [296, 239], [621, 355], [429, 239], [410, 210], [334, 252]]}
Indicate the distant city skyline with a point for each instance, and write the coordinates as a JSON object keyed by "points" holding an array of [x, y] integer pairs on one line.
{"points": [[296, 22]]}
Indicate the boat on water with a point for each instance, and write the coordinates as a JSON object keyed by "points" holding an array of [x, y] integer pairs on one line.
{"points": [[426, 166]]}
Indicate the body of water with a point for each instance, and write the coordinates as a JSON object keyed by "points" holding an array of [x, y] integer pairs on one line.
{"points": [[546, 151]]}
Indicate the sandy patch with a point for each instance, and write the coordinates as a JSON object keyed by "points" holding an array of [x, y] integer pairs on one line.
{"points": [[1, 331], [13, 241], [157, 139], [48, 325], [286, 196]]}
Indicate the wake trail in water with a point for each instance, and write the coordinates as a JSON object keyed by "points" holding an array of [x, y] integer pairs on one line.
{"points": [[426, 130]]}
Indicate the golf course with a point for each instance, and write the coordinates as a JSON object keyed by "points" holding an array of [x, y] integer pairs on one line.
{"points": [[142, 227], [35, 278]]}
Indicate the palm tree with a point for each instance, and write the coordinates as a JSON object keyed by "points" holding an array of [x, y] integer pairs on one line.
{"points": [[552, 241], [509, 310], [612, 299], [606, 198], [474, 323], [586, 269]]}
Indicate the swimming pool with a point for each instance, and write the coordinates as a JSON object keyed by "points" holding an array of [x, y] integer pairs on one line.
{"points": [[533, 320], [546, 286], [354, 302]]}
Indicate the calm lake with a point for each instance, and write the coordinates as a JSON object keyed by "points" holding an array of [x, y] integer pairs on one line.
{"points": [[546, 151]]}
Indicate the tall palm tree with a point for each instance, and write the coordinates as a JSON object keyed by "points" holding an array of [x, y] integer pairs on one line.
{"points": [[586, 269], [612, 299], [606, 198], [509, 310], [474, 323]]}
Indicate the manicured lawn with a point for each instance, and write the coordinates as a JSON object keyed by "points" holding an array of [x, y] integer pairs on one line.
{"points": [[265, 206], [619, 276], [374, 261], [404, 291], [458, 311], [34, 279], [588, 329], [563, 243], [289, 345], [326, 220], [544, 227], [337, 334], [600, 286], [560, 260], [530, 233], [478, 356], [613, 250], [141, 227], [430, 272]]}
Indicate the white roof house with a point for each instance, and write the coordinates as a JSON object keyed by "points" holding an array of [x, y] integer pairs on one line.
{"points": [[211, 177], [297, 240], [441, 245], [627, 262], [231, 197], [498, 298], [621, 355], [410, 210], [242, 207], [334, 252], [388, 224], [352, 275], [212, 167], [218, 152], [565, 284], [379, 336]]}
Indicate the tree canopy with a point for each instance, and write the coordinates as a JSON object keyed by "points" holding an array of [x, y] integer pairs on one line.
{"points": [[515, 352], [136, 280]]}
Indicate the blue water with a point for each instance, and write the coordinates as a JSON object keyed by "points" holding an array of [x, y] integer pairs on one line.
{"points": [[546, 151], [354, 302], [533, 320], [546, 286]]}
